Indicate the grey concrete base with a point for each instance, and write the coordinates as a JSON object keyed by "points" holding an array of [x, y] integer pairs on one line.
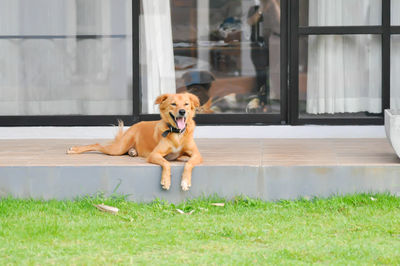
{"points": [[142, 183]]}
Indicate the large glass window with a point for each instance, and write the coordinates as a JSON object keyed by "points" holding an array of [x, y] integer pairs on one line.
{"points": [[340, 61], [74, 62], [340, 74], [65, 57], [227, 52]]}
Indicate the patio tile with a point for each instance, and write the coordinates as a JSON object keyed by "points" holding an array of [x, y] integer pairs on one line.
{"points": [[252, 152]]}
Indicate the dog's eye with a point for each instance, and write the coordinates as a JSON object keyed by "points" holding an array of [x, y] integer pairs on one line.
{"points": [[186, 104], [173, 104]]}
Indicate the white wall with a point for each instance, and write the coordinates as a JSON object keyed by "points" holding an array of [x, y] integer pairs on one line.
{"points": [[202, 132]]}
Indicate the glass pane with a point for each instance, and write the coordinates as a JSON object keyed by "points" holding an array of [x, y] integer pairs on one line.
{"points": [[394, 73], [395, 14], [45, 69], [226, 52], [340, 12], [339, 75]]}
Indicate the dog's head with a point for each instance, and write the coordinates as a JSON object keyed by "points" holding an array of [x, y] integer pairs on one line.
{"points": [[178, 109]]}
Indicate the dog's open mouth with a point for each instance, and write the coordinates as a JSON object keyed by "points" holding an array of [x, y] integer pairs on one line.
{"points": [[179, 121]]}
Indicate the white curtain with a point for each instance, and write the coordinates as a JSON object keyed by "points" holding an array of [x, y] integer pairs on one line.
{"points": [[395, 14], [156, 53], [395, 59], [344, 72], [65, 75]]}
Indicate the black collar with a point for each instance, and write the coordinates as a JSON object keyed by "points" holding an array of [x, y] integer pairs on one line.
{"points": [[172, 129]]}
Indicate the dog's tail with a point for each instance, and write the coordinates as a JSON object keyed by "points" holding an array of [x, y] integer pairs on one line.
{"points": [[118, 146], [120, 132]]}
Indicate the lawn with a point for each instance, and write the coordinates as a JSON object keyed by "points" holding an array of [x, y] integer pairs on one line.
{"points": [[359, 229]]}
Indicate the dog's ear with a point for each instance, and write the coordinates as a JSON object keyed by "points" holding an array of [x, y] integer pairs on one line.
{"points": [[194, 99], [161, 98]]}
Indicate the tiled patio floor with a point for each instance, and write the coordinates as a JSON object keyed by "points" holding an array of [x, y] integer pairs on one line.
{"points": [[218, 152]]}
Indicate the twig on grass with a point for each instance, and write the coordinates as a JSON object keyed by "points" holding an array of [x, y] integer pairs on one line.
{"points": [[182, 212], [106, 208], [218, 204]]}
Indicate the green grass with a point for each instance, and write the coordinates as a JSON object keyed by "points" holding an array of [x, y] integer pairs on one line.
{"points": [[340, 230]]}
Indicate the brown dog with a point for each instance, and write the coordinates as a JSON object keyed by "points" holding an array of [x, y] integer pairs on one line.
{"points": [[159, 141]]}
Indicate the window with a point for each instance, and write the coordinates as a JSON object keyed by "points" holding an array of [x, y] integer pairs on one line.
{"points": [[395, 55], [340, 61], [395, 12], [319, 13], [394, 72], [90, 62], [65, 58], [226, 52], [340, 74]]}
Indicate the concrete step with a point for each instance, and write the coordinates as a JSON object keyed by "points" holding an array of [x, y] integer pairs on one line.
{"points": [[268, 169]]}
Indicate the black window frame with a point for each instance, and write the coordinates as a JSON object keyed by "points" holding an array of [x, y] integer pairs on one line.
{"points": [[297, 31]]}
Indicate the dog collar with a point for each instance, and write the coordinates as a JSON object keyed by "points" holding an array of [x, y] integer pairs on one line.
{"points": [[172, 129]]}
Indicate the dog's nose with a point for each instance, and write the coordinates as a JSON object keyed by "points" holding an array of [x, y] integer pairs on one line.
{"points": [[182, 112]]}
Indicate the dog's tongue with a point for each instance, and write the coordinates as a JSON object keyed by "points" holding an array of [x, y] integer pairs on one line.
{"points": [[180, 122]]}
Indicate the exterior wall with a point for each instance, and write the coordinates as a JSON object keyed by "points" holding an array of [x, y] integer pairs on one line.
{"points": [[202, 132]]}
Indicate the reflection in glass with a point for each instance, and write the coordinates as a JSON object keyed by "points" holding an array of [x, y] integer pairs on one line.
{"points": [[226, 52], [340, 12], [340, 74], [45, 69]]}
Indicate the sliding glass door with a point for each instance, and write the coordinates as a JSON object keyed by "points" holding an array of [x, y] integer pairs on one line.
{"points": [[227, 52], [340, 61]]}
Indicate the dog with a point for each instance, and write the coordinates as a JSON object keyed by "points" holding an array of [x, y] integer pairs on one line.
{"points": [[168, 139]]}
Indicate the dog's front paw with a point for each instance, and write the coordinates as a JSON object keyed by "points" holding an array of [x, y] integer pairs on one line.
{"points": [[185, 184], [166, 183]]}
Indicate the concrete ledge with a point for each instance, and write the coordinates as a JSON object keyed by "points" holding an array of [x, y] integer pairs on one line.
{"points": [[269, 169], [142, 183]]}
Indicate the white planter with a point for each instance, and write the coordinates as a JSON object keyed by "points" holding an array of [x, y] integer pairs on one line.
{"points": [[392, 128]]}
